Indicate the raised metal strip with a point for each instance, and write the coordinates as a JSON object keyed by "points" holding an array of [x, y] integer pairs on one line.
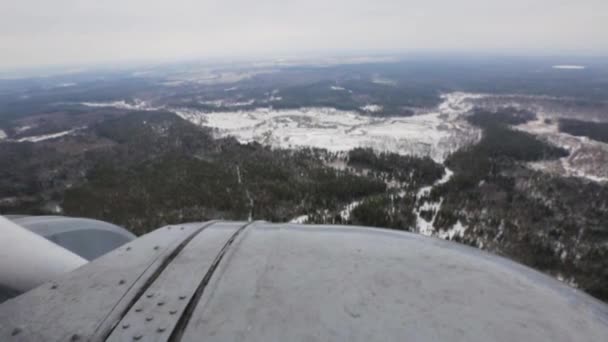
{"points": [[155, 314], [77, 305], [136, 293], [181, 325]]}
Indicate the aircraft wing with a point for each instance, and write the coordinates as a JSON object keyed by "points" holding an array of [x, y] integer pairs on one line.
{"points": [[239, 281]]}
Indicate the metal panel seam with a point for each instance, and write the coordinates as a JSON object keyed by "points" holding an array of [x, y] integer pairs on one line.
{"points": [[182, 323], [148, 282]]}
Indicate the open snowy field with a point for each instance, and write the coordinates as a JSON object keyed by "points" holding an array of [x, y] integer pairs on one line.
{"points": [[587, 157], [435, 134]]}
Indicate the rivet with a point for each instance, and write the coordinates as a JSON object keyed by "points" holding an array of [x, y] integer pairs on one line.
{"points": [[75, 337], [149, 318], [138, 309], [122, 281], [160, 303], [150, 295], [161, 329], [126, 326], [156, 248], [137, 337], [172, 312], [182, 297], [16, 331]]}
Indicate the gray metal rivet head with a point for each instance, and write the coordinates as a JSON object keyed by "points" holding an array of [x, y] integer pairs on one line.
{"points": [[172, 312], [149, 318], [16, 332], [156, 248], [160, 303], [75, 337], [126, 326], [161, 329], [122, 281], [182, 297], [137, 337]]}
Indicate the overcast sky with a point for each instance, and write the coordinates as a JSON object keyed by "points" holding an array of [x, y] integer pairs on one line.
{"points": [[47, 32]]}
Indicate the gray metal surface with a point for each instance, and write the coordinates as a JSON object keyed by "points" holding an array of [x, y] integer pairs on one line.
{"points": [[87, 302], [86, 237], [155, 315], [286, 282], [297, 283]]}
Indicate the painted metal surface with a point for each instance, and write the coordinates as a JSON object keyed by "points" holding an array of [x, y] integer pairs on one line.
{"points": [[27, 259], [287, 282], [47, 225], [87, 303], [88, 238], [297, 283], [156, 314]]}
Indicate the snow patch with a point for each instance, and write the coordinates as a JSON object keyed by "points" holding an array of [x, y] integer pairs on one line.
{"points": [[22, 129], [273, 96], [2, 135], [300, 219], [228, 104], [347, 211], [44, 137], [136, 104], [569, 67], [569, 281], [457, 230], [383, 81], [372, 108], [337, 88]]}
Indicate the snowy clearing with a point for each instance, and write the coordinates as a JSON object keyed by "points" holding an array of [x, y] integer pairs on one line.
{"points": [[586, 156], [435, 134]]}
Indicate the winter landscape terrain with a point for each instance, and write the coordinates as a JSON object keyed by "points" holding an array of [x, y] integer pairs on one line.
{"points": [[510, 157]]}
